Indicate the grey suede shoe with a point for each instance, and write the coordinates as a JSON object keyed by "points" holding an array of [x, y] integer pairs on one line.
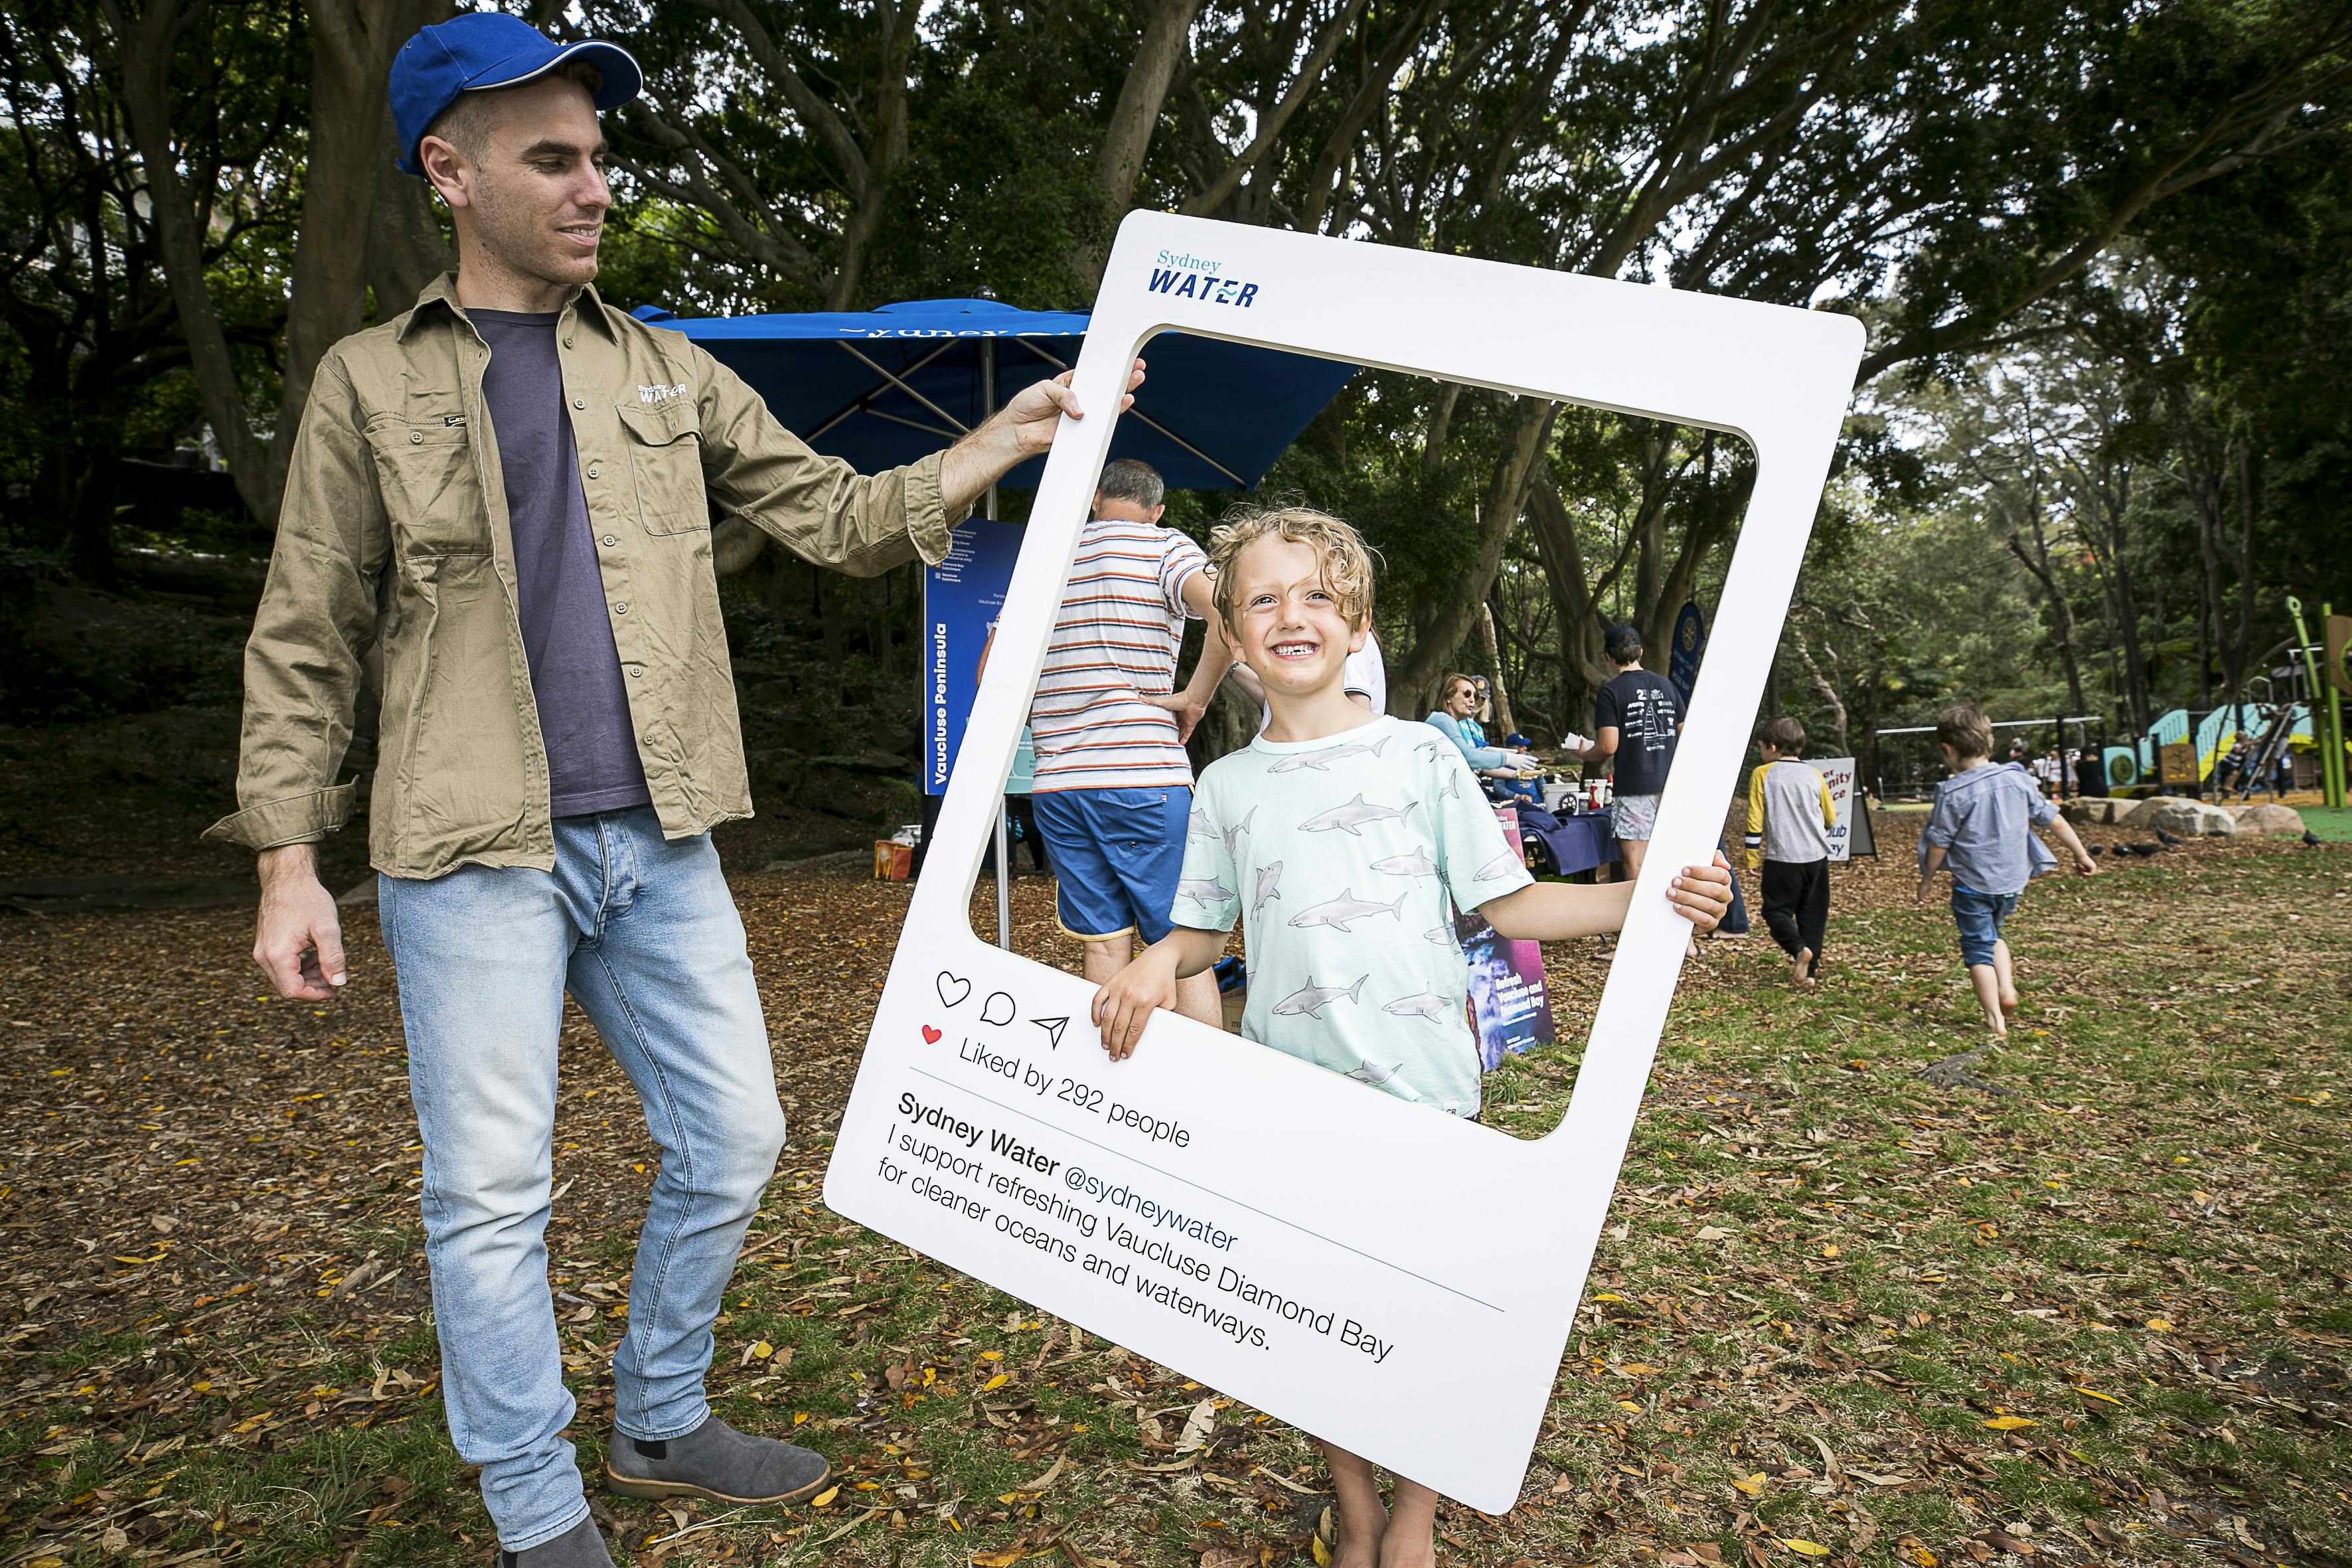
{"points": [[578, 1547], [714, 1461]]}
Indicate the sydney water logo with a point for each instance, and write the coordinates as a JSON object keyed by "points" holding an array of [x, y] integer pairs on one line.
{"points": [[1183, 276]]}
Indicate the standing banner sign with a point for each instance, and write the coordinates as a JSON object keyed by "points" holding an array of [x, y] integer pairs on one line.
{"points": [[1850, 836], [1268, 1227], [1690, 642], [962, 596], [1839, 773]]}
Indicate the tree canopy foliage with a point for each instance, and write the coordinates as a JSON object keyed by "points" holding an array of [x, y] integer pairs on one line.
{"points": [[2098, 244]]}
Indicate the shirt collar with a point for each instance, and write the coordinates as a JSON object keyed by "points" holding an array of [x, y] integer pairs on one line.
{"points": [[584, 302]]}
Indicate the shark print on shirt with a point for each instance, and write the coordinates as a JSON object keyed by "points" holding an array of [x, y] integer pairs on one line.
{"points": [[1344, 859]]}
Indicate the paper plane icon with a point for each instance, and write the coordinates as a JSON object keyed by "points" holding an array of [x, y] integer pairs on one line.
{"points": [[1053, 1027]]}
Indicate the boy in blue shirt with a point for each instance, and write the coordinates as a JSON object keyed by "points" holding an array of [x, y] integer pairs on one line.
{"points": [[1982, 830], [1345, 841]]}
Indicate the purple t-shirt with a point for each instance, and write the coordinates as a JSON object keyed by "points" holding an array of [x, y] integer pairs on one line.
{"points": [[575, 670]]}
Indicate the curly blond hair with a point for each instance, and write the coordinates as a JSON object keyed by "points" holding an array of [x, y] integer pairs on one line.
{"points": [[1345, 558]]}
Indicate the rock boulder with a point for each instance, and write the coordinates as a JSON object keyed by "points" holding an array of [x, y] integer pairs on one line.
{"points": [[2181, 817], [2279, 819]]}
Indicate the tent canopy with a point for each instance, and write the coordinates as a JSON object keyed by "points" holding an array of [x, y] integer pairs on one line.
{"points": [[884, 387]]}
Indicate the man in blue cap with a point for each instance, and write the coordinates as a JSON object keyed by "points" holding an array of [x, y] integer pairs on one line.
{"points": [[499, 509]]}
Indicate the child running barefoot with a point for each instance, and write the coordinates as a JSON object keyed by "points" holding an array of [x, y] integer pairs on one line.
{"points": [[1790, 815], [1982, 831], [1344, 841]]}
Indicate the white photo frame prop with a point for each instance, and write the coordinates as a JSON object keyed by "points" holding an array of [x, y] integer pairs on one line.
{"points": [[1293, 1238]]}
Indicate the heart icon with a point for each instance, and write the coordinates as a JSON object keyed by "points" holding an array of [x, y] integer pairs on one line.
{"points": [[953, 988], [930, 1035]]}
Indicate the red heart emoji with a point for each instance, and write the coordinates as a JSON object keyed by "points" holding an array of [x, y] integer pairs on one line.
{"points": [[930, 1035]]}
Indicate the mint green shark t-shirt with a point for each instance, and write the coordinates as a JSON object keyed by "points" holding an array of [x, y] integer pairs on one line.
{"points": [[1344, 860]]}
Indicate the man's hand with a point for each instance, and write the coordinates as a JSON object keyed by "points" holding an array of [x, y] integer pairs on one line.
{"points": [[1124, 1005], [1188, 712], [1701, 894], [1925, 883], [1014, 433], [297, 941], [1034, 414]]}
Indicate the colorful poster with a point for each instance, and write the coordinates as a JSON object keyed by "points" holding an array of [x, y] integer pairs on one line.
{"points": [[1509, 1009], [962, 596]]}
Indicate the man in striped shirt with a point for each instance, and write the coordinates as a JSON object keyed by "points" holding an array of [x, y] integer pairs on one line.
{"points": [[1114, 789]]}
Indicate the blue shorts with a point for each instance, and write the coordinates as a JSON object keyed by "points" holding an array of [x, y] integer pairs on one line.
{"points": [[1117, 855], [1978, 916]]}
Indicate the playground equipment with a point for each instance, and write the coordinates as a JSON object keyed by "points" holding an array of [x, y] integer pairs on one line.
{"points": [[2329, 735], [2267, 751]]}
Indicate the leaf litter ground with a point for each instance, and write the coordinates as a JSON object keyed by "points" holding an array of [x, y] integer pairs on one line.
{"points": [[2080, 1299]]}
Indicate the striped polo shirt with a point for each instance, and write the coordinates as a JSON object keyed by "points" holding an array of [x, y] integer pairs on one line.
{"points": [[1115, 639]]}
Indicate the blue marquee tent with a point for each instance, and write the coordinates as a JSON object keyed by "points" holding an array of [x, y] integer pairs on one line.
{"points": [[884, 387]]}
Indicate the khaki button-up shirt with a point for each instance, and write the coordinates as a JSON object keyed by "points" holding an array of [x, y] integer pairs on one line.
{"points": [[394, 563]]}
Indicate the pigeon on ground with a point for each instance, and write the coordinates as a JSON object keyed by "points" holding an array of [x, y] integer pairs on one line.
{"points": [[2310, 839], [2167, 839], [2098, 849]]}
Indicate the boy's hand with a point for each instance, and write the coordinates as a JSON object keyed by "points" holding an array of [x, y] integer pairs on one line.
{"points": [[1701, 894], [2084, 865], [1124, 1005]]}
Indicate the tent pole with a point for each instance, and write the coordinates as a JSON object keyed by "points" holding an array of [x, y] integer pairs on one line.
{"points": [[1004, 839]]}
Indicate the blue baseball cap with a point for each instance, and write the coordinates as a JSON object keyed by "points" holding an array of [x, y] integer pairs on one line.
{"points": [[483, 49]]}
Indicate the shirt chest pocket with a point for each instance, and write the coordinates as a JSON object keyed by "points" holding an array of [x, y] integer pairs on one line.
{"points": [[664, 449], [431, 492]]}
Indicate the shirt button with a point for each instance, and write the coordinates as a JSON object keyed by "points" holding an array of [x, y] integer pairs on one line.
{"points": [[610, 541], [620, 609], [567, 343], [416, 437], [594, 471], [635, 670], [579, 403]]}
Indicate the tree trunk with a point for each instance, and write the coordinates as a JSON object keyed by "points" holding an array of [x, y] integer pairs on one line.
{"points": [[886, 152], [405, 247], [1530, 422], [148, 43], [1582, 667], [90, 553], [353, 42], [1133, 119], [1866, 763], [1495, 657], [1822, 688], [1159, 50], [2037, 562]]}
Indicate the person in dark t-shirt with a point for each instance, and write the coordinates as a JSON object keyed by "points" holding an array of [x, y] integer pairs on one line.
{"points": [[1637, 719]]}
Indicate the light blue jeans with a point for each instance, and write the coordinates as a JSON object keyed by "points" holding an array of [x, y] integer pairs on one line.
{"points": [[644, 936]]}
